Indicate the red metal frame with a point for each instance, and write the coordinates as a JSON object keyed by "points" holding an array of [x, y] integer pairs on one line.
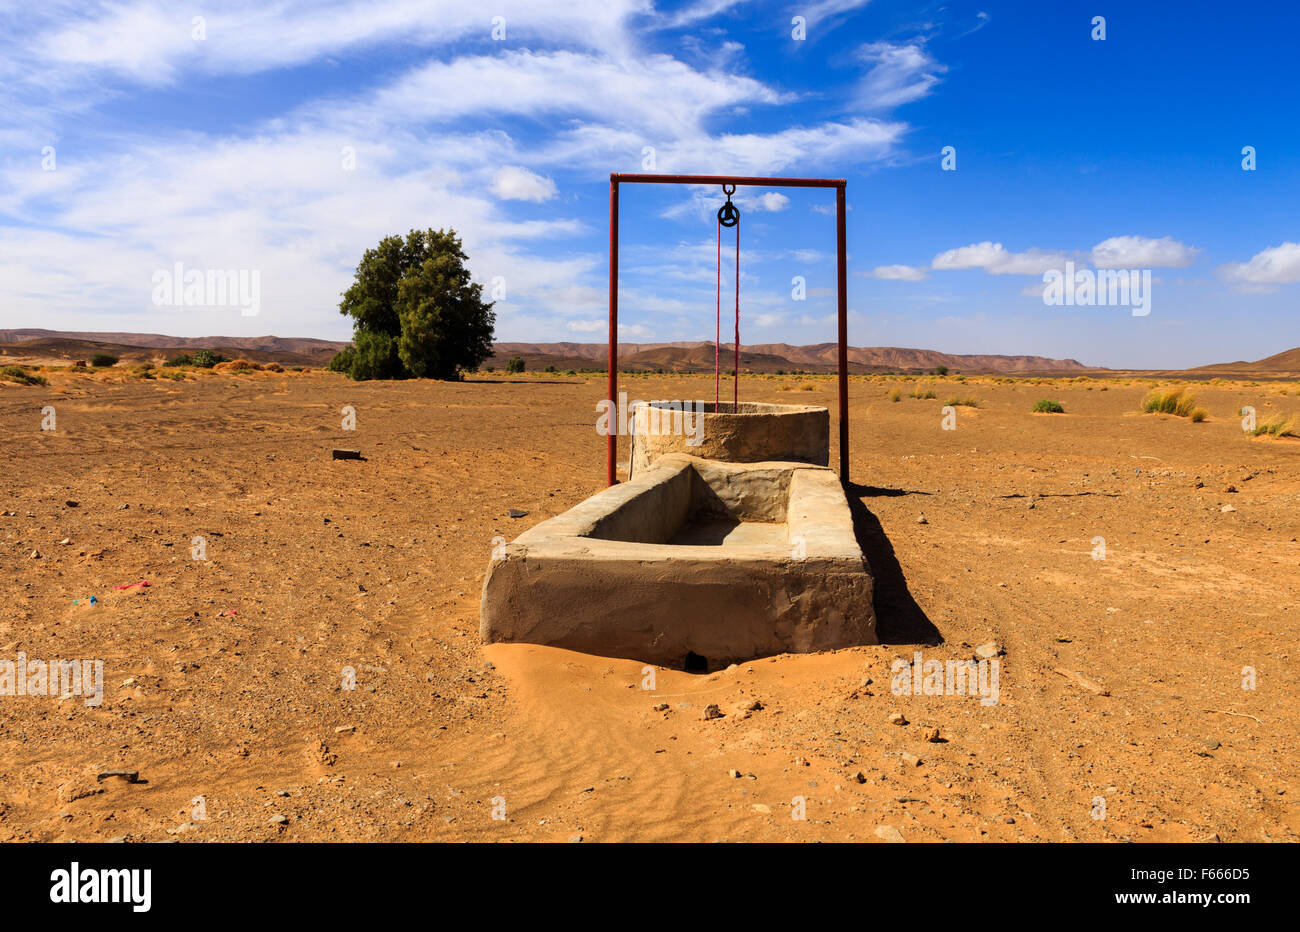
{"points": [[841, 284]]}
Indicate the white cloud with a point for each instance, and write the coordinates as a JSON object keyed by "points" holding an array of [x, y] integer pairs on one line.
{"points": [[996, 260], [773, 201], [1140, 252], [1277, 265], [513, 183], [905, 273], [587, 326], [900, 74]]}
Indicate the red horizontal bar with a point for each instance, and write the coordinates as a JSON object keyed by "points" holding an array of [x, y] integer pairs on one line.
{"points": [[619, 177]]}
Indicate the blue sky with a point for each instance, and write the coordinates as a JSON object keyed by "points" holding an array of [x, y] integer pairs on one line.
{"points": [[288, 138]]}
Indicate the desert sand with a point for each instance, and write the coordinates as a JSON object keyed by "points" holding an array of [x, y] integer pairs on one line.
{"points": [[1121, 678]]}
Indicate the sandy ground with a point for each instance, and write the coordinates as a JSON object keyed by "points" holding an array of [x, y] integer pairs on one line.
{"points": [[1122, 677]]}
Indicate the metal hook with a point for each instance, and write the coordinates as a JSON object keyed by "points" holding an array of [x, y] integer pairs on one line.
{"points": [[728, 215]]}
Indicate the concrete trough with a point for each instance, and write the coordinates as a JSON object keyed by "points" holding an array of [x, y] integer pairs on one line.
{"points": [[693, 558]]}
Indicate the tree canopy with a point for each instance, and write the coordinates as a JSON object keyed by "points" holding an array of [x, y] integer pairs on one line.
{"points": [[415, 312]]}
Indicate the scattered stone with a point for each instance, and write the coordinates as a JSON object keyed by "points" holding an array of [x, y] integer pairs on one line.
{"points": [[932, 735], [921, 519], [36, 554], [1080, 680], [988, 650], [859, 777], [339, 454], [734, 773], [345, 729], [711, 711], [890, 834], [71, 504], [1231, 488], [661, 707], [279, 819], [762, 807], [1227, 508], [74, 790], [130, 776], [575, 839], [911, 759], [517, 513], [66, 541], [896, 718]]}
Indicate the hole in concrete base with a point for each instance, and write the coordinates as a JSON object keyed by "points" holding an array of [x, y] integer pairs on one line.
{"points": [[695, 663]]}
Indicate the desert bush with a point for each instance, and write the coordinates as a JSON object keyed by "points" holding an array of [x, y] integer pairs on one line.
{"points": [[960, 402], [184, 359], [515, 364], [21, 376], [238, 365], [896, 395], [273, 367], [1177, 401], [103, 360], [206, 358], [922, 394], [1277, 426], [1047, 406]]}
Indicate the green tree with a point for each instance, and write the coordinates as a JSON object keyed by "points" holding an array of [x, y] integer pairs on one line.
{"points": [[515, 364], [415, 312]]}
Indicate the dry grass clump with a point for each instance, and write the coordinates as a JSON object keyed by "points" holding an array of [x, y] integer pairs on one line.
{"points": [[21, 376], [966, 402], [1277, 426], [238, 365], [1176, 401]]}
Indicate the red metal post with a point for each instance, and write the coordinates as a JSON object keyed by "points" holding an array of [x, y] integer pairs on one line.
{"points": [[842, 288], [612, 441], [838, 184]]}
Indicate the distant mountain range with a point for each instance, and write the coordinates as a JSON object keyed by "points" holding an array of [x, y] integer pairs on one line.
{"points": [[694, 356], [770, 357]]}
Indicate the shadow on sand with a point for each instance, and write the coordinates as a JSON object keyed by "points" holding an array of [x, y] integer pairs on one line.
{"points": [[899, 620]]}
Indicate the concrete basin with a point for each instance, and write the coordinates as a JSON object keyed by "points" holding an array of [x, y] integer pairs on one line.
{"points": [[718, 561]]}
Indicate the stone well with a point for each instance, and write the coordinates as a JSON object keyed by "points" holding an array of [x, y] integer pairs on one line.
{"points": [[749, 432]]}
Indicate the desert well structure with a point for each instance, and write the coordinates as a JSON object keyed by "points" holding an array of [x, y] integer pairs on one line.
{"points": [[732, 538]]}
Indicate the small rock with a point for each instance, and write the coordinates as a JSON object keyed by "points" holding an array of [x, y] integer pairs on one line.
{"points": [[345, 729], [711, 711], [1227, 508], [1231, 488], [911, 759], [661, 707], [575, 839], [130, 776], [859, 777], [65, 541], [71, 504], [279, 819], [762, 807], [890, 834], [989, 650], [896, 718], [734, 773], [517, 513], [36, 555], [921, 519], [931, 735]]}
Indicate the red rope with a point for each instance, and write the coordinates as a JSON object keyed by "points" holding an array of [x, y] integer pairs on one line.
{"points": [[735, 391]]}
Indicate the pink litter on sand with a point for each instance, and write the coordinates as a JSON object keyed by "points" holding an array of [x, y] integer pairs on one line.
{"points": [[142, 583]]}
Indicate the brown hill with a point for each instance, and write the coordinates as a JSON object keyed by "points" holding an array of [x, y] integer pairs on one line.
{"points": [[304, 350], [137, 347], [1285, 363], [770, 357]]}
